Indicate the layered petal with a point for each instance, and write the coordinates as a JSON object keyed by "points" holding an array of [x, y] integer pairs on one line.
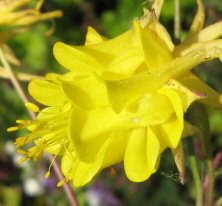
{"points": [[212, 97], [47, 93], [141, 154], [86, 126], [87, 92], [171, 131], [150, 48], [80, 172]]}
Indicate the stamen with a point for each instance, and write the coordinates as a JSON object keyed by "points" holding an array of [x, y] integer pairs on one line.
{"points": [[24, 122], [61, 182], [23, 160], [20, 151], [47, 174], [32, 107], [50, 166], [20, 121], [11, 129], [19, 142]]}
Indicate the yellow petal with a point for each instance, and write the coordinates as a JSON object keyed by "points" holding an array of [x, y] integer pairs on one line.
{"points": [[92, 37], [46, 93], [163, 35], [76, 59], [135, 87], [141, 154], [212, 49], [85, 59], [172, 130], [186, 94], [208, 34], [88, 92], [118, 139], [89, 131], [99, 124], [156, 52], [124, 65], [113, 47], [151, 109], [192, 82], [81, 173]]}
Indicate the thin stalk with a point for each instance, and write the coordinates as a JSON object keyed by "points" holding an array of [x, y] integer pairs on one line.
{"points": [[24, 77], [66, 186], [197, 180], [177, 20], [14, 81], [211, 182], [195, 170]]}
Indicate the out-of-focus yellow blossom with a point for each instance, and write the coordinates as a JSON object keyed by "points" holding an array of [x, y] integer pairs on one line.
{"points": [[123, 100], [19, 15], [16, 13]]}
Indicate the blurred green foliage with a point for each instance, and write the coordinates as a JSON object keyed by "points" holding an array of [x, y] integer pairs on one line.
{"points": [[109, 17]]}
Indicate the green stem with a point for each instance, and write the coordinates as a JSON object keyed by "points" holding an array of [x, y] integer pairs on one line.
{"points": [[177, 20], [197, 180], [211, 183], [195, 171]]}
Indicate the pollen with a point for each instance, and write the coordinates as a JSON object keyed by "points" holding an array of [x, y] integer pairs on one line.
{"points": [[11, 129]]}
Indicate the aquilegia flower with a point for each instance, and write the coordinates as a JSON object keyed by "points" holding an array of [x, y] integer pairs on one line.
{"points": [[123, 100]]}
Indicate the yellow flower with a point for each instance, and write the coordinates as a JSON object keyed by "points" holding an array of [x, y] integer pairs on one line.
{"points": [[124, 99], [147, 87]]}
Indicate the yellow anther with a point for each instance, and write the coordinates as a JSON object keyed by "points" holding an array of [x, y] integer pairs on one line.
{"points": [[20, 121], [61, 183], [50, 166], [23, 160], [11, 129], [47, 175], [20, 141], [32, 107]]}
